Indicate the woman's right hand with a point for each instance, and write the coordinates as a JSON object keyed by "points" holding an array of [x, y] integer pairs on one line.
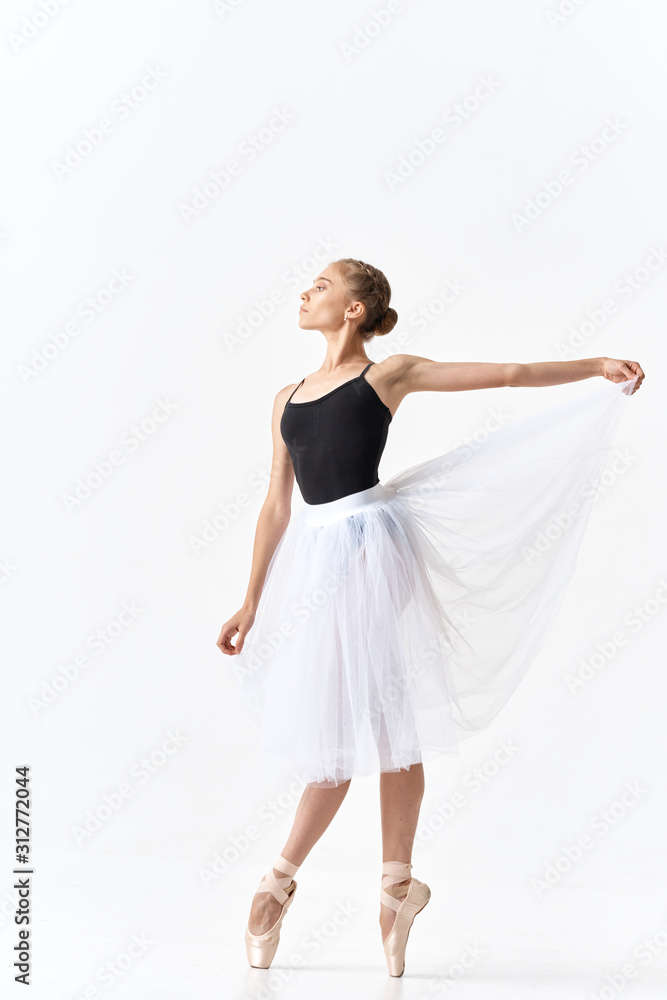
{"points": [[241, 622]]}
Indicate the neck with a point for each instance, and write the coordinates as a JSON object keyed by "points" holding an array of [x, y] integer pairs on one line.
{"points": [[342, 352]]}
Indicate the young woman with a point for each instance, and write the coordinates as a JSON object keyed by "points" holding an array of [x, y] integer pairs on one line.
{"points": [[397, 618]]}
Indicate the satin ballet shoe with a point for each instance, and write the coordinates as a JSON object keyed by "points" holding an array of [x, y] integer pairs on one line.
{"points": [[261, 948], [416, 898]]}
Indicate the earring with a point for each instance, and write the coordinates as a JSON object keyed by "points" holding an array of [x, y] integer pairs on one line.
{"points": [[345, 318]]}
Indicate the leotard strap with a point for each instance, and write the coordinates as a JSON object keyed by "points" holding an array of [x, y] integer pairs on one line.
{"points": [[294, 390], [304, 379]]}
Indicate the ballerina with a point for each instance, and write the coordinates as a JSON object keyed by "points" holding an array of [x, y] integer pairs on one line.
{"points": [[384, 622]]}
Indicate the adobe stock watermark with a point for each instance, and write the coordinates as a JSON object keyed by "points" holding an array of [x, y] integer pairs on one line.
{"points": [[553, 530], [220, 179], [624, 289], [401, 682], [7, 570], [258, 650], [132, 438], [98, 641], [472, 441], [605, 650], [115, 969], [33, 24], [295, 277], [238, 844], [86, 312], [600, 824], [472, 783], [465, 448], [420, 319], [228, 512], [283, 974], [365, 33], [440, 985], [405, 679], [552, 189], [562, 12], [454, 626], [453, 117], [321, 936], [645, 952], [112, 802], [95, 135], [225, 7]]}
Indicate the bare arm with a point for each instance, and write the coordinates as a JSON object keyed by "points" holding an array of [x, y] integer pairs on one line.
{"points": [[276, 510], [271, 524], [414, 374], [555, 372]]}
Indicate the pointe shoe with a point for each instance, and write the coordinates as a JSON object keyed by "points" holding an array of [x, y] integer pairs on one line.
{"points": [[417, 897], [261, 948]]}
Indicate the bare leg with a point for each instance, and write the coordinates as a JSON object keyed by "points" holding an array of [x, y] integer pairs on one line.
{"points": [[401, 795], [317, 807]]}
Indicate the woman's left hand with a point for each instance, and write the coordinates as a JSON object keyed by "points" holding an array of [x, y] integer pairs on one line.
{"points": [[622, 371]]}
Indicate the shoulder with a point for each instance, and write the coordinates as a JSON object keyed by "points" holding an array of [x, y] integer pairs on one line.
{"points": [[397, 367], [281, 397], [286, 391], [392, 378]]}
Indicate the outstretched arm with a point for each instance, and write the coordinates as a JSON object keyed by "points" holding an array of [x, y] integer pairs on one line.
{"points": [[415, 374], [556, 372]]}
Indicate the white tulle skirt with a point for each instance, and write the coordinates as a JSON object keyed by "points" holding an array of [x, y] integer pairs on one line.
{"points": [[397, 621]]}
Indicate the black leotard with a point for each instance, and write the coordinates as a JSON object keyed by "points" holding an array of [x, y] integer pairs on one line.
{"points": [[335, 442]]}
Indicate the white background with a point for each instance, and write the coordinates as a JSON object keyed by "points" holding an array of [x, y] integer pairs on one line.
{"points": [[190, 330]]}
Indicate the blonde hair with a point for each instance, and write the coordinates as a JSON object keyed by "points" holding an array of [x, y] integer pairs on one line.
{"points": [[367, 284]]}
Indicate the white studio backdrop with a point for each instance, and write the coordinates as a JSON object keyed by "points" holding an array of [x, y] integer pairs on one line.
{"points": [[174, 175]]}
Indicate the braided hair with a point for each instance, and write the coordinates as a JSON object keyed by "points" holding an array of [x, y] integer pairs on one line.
{"points": [[368, 284]]}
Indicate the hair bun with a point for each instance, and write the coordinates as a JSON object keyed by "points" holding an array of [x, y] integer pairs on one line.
{"points": [[387, 323]]}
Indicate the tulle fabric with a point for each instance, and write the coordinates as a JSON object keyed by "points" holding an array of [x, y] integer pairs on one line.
{"points": [[396, 622]]}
